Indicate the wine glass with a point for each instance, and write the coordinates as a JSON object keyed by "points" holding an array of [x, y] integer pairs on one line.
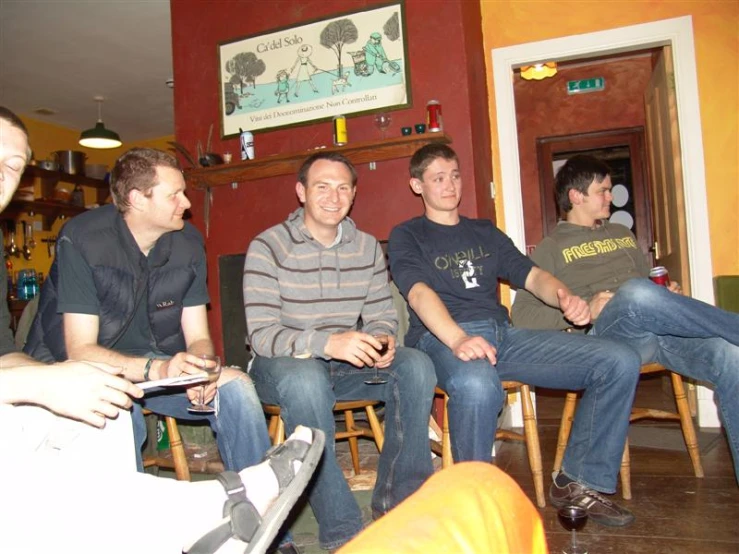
{"points": [[573, 518], [212, 366], [382, 122], [385, 342]]}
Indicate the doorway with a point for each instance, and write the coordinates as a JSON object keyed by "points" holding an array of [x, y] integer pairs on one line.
{"points": [[677, 33], [623, 151]]}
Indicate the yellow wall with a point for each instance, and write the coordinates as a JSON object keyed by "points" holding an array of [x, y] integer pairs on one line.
{"points": [[45, 139], [716, 35]]}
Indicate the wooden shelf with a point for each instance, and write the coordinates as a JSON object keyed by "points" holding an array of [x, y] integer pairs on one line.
{"points": [[48, 209], [51, 209], [35, 171], [288, 164]]}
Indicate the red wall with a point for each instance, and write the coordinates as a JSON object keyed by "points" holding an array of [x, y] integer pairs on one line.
{"points": [[446, 63], [544, 109]]}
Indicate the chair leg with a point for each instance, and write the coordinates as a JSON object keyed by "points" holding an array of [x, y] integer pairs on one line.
{"points": [[568, 413], [626, 472], [353, 442], [181, 469], [274, 422], [374, 424], [532, 444], [686, 422], [446, 441], [279, 431]]}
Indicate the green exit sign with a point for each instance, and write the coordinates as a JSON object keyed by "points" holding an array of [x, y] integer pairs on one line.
{"points": [[586, 85]]}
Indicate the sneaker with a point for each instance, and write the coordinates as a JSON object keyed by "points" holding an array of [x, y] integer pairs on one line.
{"points": [[600, 509]]}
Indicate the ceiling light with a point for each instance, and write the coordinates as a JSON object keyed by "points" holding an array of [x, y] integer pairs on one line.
{"points": [[539, 71], [99, 136]]}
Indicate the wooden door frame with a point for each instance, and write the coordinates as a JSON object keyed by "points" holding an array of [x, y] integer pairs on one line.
{"points": [[678, 33], [632, 137]]}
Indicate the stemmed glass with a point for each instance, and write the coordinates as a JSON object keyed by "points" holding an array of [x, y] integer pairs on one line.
{"points": [[573, 518], [382, 122], [212, 366], [377, 380]]}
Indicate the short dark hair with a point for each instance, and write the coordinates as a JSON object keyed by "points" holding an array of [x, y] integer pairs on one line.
{"points": [[137, 170], [331, 157], [9, 117], [426, 155], [577, 173]]}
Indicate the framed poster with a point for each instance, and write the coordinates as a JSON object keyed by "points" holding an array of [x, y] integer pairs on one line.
{"points": [[349, 64]]}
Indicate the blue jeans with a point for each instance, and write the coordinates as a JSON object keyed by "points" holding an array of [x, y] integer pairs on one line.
{"points": [[688, 336], [240, 428], [306, 391], [606, 370]]}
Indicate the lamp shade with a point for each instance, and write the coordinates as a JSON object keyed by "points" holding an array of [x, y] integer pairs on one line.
{"points": [[100, 137], [539, 71]]}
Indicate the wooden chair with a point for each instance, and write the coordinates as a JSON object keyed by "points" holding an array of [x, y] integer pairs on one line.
{"points": [[683, 415], [351, 432], [176, 457], [530, 436]]}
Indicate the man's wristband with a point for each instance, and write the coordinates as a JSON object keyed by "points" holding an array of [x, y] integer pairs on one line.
{"points": [[147, 368]]}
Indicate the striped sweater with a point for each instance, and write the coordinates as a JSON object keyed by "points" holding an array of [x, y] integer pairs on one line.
{"points": [[298, 292]]}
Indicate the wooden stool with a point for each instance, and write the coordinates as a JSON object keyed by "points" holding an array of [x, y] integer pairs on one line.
{"points": [[176, 457], [277, 426], [530, 436], [683, 415]]}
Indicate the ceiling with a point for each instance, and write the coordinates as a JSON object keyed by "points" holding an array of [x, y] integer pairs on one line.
{"points": [[59, 54]]}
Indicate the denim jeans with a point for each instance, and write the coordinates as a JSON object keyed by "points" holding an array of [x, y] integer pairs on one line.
{"points": [[306, 391], [240, 427], [606, 370], [688, 336]]}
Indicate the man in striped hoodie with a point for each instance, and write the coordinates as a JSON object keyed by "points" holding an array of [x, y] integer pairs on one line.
{"points": [[317, 298]]}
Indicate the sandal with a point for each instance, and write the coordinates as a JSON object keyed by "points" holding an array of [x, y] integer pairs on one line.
{"points": [[241, 521]]}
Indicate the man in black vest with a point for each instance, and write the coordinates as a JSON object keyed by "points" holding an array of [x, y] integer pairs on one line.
{"points": [[128, 288]]}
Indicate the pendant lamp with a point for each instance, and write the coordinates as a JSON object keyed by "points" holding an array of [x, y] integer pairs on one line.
{"points": [[539, 71], [99, 136]]}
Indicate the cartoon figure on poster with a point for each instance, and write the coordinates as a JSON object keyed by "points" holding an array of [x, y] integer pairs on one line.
{"points": [[376, 57], [283, 86], [304, 74]]}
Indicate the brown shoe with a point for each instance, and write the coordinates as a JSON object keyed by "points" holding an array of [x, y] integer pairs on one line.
{"points": [[599, 508]]}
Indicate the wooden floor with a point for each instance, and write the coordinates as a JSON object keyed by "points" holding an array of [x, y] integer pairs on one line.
{"points": [[675, 512]]}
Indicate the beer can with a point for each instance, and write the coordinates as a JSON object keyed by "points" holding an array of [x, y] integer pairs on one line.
{"points": [[434, 121], [341, 137], [247, 145], [659, 275]]}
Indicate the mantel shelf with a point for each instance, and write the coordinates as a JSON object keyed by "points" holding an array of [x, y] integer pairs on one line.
{"points": [[288, 164]]}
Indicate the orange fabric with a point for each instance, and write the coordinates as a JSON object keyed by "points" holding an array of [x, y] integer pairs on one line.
{"points": [[469, 508]]}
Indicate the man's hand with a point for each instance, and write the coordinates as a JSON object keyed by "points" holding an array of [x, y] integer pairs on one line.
{"points": [[88, 392], [474, 348], [574, 308], [389, 356], [674, 286], [184, 363], [357, 348], [598, 302]]}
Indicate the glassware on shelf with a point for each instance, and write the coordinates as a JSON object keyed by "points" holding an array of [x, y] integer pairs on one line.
{"points": [[382, 122], [27, 284]]}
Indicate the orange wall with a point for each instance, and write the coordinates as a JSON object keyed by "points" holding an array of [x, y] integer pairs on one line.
{"points": [[716, 35]]}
